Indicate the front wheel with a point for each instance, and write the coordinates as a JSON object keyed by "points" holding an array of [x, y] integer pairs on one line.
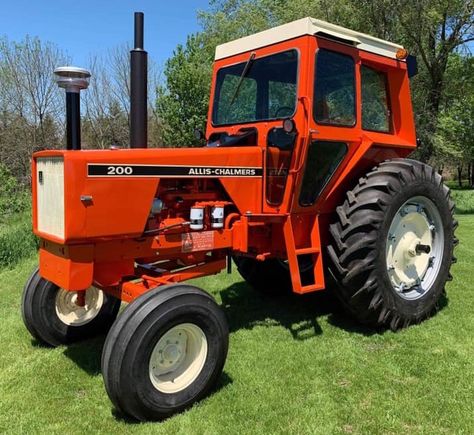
{"points": [[165, 352], [54, 316], [392, 244]]}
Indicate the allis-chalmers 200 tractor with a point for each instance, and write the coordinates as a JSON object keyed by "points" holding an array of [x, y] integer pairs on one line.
{"points": [[303, 177]]}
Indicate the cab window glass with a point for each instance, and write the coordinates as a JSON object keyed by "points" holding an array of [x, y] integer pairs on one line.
{"points": [[375, 107], [324, 157], [281, 99], [279, 152], [256, 90], [245, 102], [334, 100]]}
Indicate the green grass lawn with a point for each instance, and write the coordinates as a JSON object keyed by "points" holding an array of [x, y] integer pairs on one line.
{"points": [[295, 365]]}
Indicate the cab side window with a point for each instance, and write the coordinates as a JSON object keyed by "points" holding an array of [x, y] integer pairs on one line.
{"points": [[375, 104], [334, 99]]}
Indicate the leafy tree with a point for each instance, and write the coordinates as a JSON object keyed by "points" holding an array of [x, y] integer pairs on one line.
{"points": [[13, 199], [454, 138], [30, 102], [182, 102]]}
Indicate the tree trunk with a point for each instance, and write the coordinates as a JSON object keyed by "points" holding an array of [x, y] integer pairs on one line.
{"points": [[471, 180], [460, 175]]}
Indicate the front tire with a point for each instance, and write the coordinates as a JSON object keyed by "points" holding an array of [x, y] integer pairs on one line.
{"points": [[165, 352], [392, 244], [52, 316]]}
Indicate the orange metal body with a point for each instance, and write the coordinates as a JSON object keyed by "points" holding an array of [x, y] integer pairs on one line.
{"points": [[112, 242]]}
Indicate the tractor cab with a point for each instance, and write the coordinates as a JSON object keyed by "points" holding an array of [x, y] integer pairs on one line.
{"points": [[310, 94]]}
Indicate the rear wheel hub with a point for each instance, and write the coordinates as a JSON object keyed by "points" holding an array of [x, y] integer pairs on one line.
{"points": [[414, 248]]}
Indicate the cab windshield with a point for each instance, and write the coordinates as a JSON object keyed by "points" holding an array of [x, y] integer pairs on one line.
{"points": [[259, 89]]}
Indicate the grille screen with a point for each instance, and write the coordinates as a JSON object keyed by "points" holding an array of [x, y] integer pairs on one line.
{"points": [[50, 195]]}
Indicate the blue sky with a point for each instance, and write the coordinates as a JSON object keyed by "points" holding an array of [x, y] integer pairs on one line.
{"points": [[83, 27]]}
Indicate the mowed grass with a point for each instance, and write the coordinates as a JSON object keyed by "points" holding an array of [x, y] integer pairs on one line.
{"points": [[295, 365]]}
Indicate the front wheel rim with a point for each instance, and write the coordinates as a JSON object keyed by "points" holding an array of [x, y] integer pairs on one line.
{"points": [[178, 358], [415, 248], [72, 314]]}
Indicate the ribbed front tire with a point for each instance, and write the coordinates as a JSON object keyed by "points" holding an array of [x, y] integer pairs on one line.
{"points": [[362, 247], [165, 352], [52, 317]]}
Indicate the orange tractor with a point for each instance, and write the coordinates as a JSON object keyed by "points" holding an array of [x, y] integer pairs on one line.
{"points": [[303, 178]]}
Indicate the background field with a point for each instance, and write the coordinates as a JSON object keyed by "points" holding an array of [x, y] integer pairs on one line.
{"points": [[295, 365]]}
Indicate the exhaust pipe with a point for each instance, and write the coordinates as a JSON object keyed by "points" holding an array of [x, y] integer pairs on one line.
{"points": [[138, 88], [72, 79]]}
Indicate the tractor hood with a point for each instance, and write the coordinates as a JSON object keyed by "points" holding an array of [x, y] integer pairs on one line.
{"points": [[80, 195]]}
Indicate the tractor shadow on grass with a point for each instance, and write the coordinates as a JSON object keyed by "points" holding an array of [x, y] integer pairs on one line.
{"points": [[246, 308], [222, 382], [87, 354]]}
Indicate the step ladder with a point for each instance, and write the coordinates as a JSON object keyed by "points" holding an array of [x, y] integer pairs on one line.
{"points": [[294, 253]]}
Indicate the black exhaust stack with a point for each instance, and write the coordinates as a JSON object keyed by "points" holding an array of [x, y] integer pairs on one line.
{"points": [[138, 88]]}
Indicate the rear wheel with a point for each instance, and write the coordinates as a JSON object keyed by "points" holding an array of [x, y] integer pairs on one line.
{"points": [[54, 316], [272, 275], [392, 244], [165, 352]]}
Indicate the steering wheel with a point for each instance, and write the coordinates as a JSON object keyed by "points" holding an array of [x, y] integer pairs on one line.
{"points": [[288, 109], [235, 139]]}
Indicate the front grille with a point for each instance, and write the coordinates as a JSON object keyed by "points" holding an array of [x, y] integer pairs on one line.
{"points": [[50, 195]]}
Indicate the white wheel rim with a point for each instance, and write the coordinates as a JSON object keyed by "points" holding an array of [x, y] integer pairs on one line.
{"points": [[70, 313], [178, 358], [416, 229]]}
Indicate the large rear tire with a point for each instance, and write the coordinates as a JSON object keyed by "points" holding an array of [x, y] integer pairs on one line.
{"points": [[272, 275], [52, 316], [165, 352], [392, 244]]}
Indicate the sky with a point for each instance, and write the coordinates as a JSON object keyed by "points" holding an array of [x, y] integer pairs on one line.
{"points": [[85, 27]]}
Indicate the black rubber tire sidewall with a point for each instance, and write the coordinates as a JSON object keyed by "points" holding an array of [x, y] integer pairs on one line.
{"points": [[271, 276], [43, 322], [356, 253], [126, 354]]}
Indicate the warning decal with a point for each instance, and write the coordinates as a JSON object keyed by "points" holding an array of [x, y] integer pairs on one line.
{"points": [[199, 241]]}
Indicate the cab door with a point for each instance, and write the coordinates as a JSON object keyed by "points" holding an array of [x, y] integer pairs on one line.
{"points": [[334, 121]]}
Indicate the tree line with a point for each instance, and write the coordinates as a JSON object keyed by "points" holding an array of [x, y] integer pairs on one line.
{"points": [[32, 107], [439, 32]]}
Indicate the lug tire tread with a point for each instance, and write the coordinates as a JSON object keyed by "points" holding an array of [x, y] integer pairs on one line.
{"points": [[354, 237]]}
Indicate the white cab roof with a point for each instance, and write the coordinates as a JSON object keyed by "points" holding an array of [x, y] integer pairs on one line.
{"points": [[306, 26]]}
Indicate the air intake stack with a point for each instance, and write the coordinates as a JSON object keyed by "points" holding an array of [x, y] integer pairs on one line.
{"points": [[138, 88], [74, 80]]}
